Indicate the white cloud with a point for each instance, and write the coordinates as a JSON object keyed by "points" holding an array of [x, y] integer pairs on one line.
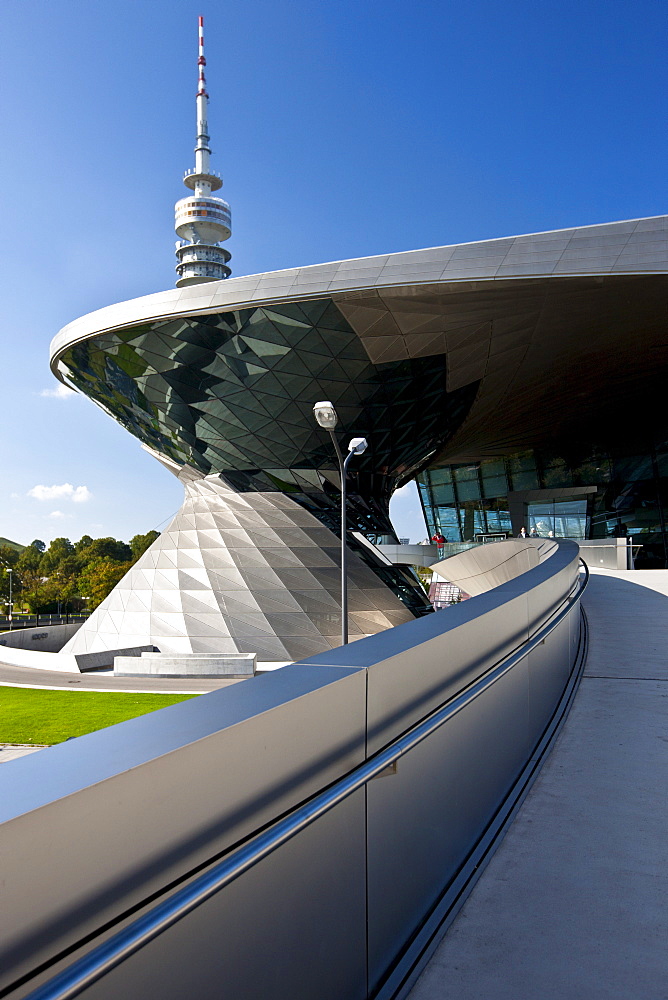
{"points": [[60, 392], [81, 494], [78, 494], [51, 492], [56, 513]]}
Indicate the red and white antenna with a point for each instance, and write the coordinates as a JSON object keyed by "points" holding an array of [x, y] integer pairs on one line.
{"points": [[201, 62], [201, 220], [202, 151]]}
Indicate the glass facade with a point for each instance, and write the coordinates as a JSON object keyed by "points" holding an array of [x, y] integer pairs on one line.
{"points": [[558, 519], [624, 493], [465, 501], [233, 393]]}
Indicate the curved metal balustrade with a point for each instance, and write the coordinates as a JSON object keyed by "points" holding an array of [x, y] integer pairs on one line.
{"points": [[413, 747]]}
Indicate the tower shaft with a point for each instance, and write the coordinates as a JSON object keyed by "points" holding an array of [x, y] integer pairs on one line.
{"points": [[202, 150]]}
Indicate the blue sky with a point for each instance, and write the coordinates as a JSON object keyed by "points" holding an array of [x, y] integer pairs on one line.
{"points": [[341, 130]]}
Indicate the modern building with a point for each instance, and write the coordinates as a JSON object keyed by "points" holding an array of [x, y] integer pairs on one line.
{"points": [[520, 380], [568, 434]]}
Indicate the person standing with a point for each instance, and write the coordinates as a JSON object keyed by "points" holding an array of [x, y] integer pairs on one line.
{"points": [[439, 541]]}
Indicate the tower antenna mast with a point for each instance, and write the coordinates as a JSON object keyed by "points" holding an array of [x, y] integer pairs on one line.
{"points": [[201, 221]]}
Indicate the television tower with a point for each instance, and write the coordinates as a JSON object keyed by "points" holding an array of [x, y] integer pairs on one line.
{"points": [[200, 220]]}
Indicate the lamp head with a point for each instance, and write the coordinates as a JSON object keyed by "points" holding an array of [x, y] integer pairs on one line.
{"points": [[326, 415], [358, 446]]}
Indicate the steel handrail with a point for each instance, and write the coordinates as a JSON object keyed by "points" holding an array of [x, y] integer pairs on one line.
{"points": [[105, 957]]}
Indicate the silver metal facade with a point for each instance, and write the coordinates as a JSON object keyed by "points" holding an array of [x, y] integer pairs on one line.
{"points": [[239, 573], [634, 247]]}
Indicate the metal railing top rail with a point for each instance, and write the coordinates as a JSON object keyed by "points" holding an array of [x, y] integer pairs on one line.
{"points": [[102, 959], [16, 623], [44, 617], [583, 543]]}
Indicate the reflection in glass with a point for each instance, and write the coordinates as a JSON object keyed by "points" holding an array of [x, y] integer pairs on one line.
{"points": [[559, 519], [629, 496], [233, 392]]}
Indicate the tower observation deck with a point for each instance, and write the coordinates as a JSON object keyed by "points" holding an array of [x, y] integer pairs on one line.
{"points": [[202, 221]]}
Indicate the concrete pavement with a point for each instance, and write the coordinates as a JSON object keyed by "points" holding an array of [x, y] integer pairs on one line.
{"points": [[12, 751], [56, 680], [573, 903]]}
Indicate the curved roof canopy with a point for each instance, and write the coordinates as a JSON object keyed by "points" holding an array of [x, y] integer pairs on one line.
{"points": [[546, 331]]}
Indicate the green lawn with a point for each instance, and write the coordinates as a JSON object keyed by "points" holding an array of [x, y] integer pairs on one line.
{"points": [[30, 715]]}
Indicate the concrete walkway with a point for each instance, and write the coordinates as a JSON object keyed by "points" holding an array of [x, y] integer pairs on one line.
{"points": [[12, 751], [58, 680], [574, 904]]}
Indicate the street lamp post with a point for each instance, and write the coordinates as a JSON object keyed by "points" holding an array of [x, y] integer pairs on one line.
{"points": [[327, 418]]}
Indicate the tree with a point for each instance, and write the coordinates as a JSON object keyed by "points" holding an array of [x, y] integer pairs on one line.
{"points": [[83, 543], [58, 550], [105, 548], [424, 575], [39, 594], [100, 577], [30, 558], [47, 579], [140, 543], [65, 580], [8, 555]]}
